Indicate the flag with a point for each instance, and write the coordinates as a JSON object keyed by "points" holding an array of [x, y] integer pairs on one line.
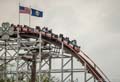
{"points": [[24, 10], [36, 13]]}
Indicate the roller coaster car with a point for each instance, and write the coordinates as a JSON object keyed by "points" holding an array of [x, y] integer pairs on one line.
{"points": [[25, 28], [61, 37], [74, 42], [38, 28], [47, 32], [31, 30], [18, 27], [77, 48], [74, 45], [45, 29], [50, 31], [56, 36], [67, 40], [12, 25], [53, 36]]}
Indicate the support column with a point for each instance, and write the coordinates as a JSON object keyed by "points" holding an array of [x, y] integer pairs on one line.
{"points": [[49, 68], [33, 69], [62, 63], [94, 77], [5, 66], [71, 68], [85, 73], [17, 58], [40, 40], [27, 79]]}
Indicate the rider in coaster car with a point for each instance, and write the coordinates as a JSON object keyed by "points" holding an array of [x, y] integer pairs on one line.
{"points": [[38, 28], [67, 39], [50, 31], [56, 35], [45, 29], [74, 43], [61, 36]]}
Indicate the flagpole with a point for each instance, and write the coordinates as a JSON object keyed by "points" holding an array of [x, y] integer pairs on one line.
{"points": [[19, 12], [30, 17]]}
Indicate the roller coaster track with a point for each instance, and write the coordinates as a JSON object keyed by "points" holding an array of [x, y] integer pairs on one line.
{"points": [[83, 58]]}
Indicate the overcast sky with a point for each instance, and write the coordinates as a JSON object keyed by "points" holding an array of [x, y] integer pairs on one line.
{"points": [[95, 24]]}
